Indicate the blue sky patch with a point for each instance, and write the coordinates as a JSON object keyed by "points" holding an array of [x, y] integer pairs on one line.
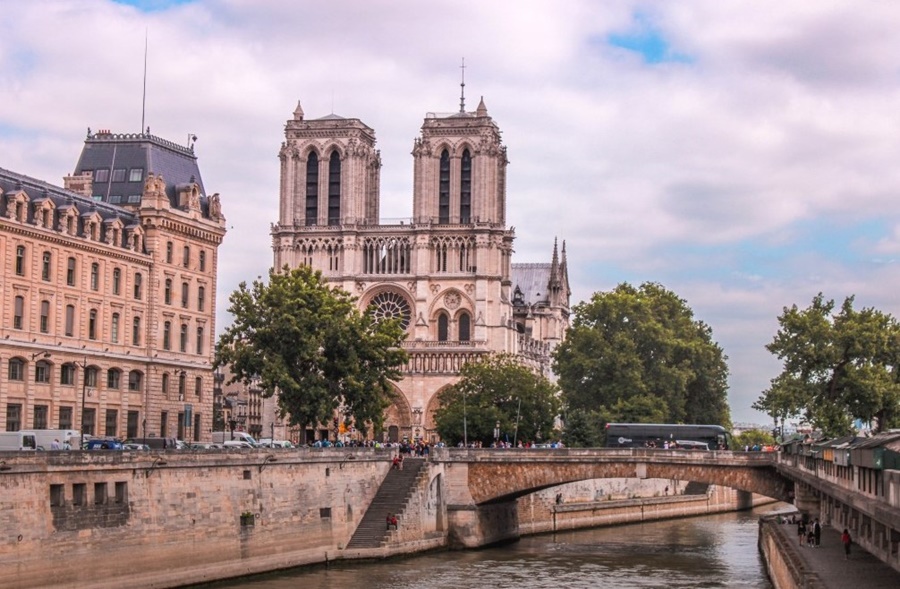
{"points": [[153, 5], [648, 41]]}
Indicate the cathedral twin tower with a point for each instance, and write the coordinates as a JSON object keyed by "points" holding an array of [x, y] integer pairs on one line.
{"points": [[447, 273]]}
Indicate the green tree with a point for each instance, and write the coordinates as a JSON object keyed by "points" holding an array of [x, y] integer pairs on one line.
{"points": [[639, 353], [497, 389], [836, 366], [752, 438], [584, 429], [309, 342]]}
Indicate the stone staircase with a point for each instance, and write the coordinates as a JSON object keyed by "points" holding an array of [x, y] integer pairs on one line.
{"points": [[392, 497]]}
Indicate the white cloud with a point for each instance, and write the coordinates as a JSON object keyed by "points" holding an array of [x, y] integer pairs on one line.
{"points": [[783, 115]]}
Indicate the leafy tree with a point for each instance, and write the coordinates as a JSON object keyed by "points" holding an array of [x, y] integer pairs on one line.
{"points": [[584, 429], [497, 389], [309, 342], [837, 366], [639, 354], [752, 438]]}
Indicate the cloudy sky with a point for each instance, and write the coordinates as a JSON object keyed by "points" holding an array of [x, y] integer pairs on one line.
{"points": [[744, 154]]}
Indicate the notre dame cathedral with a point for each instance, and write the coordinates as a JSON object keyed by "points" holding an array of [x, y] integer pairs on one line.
{"points": [[447, 272]]}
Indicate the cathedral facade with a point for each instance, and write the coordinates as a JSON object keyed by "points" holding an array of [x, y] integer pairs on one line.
{"points": [[446, 272]]}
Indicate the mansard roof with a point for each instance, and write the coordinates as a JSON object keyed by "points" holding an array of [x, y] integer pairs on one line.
{"points": [[38, 190], [147, 153]]}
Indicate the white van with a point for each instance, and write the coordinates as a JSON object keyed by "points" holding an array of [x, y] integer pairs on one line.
{"points": [[45, 437], [222, 437], [237, 444], [14, 441]]}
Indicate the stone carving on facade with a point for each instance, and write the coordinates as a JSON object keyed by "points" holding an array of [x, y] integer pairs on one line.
{"points": [[420, 321], [451, 300], [215, 207], [470, 288], [360, 286], [411, 286], [435, 288]]}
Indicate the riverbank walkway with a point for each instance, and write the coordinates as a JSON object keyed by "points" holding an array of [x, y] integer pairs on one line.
{"points": [[860, 571]]}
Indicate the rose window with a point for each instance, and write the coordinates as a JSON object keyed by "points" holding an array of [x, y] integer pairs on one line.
{"points": [[390, 305]]}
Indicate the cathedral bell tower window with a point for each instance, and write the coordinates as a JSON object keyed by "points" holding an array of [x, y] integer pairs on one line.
{"points": [[465, 190], [334, 189], [312, 189], [444, 189]]}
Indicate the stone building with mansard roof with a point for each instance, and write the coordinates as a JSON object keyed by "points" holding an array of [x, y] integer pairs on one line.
{"points": [[107, 307], [447, 271]]}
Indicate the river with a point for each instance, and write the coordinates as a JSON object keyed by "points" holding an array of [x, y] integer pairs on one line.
{"points": [[694, 553]]}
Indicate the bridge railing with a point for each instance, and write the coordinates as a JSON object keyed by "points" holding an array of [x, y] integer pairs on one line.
{"points": [[658, 455]]}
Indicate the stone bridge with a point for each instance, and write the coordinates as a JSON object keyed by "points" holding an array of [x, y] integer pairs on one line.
{"points": [[482, 485]]}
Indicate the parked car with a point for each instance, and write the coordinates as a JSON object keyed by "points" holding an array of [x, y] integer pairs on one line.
{"points": [[103, 444], [237, 444], [132, 446]]}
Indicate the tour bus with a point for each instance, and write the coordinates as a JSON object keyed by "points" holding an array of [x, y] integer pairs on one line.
{"points": [[661, 435], [14, 441]]}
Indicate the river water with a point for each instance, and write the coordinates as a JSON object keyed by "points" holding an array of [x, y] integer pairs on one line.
{"points": [[694, 553]]}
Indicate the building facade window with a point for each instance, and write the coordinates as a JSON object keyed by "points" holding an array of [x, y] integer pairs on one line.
{"points": [[95, 276], [40, 418], [165, 383], [167, 292], [334, 189], [46, 259], [112, 422], [135, 380], [70, 272], [42, 372], [88, 419], [13, 417], [19, 312], [16, 369], [117, 281], [67, 374], [198, 388], [90, 377], [20, 260], [169, 248], [70, 320], [114, 328], [135, 174], [202, 260], [92, 324], [65, 418], [132, 425], [201, 298], [182, 383], [113, 378], [167, 335], [136, 332], [186, 257], [138, 285], [182, 344], [45, 317], [200, 335], [184, 294]]}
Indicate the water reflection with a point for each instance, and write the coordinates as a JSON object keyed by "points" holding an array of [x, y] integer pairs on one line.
{"points": [[712, 551]]}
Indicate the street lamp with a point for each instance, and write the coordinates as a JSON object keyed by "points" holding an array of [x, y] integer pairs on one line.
{"points": [[496, 433], [465, 429], [84, 379]]}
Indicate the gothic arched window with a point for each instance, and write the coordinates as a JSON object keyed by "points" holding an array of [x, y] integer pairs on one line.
{"points": [[465, 187], [334, 189], [443, 327], [312, 188], [444, 189], [465, 327]]}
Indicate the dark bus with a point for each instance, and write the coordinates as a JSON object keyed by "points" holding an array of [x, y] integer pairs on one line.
{"points": [[662, 435]]}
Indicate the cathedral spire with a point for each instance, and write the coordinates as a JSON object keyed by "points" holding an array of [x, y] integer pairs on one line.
{"points": [[462, 88], [298, 112], [554, 269], [481, 111]]}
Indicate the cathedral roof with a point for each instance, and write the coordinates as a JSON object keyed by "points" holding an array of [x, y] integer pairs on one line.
{"points": [[532, 281]]}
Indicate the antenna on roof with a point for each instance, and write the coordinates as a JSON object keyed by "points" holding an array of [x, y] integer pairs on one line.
{"points": [[144, 98], [462, 88]]}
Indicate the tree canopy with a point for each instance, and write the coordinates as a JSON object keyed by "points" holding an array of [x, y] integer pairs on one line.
{"points": [[497, 389], [638, 355], [837, 366], [308, 341]]}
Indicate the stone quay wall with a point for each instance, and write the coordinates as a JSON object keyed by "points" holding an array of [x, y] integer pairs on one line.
{"points": [[164, 519], [785, 567]]}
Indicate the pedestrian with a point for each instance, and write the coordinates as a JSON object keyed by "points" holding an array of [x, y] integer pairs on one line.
{"points": [[846, 540], [817, 533], [559, 498], [801, 531], [667, 490], [54, 445]]}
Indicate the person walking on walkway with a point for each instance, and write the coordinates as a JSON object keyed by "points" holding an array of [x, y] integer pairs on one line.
{"points": [[817, 533], [801, 531], [846, 541]]}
